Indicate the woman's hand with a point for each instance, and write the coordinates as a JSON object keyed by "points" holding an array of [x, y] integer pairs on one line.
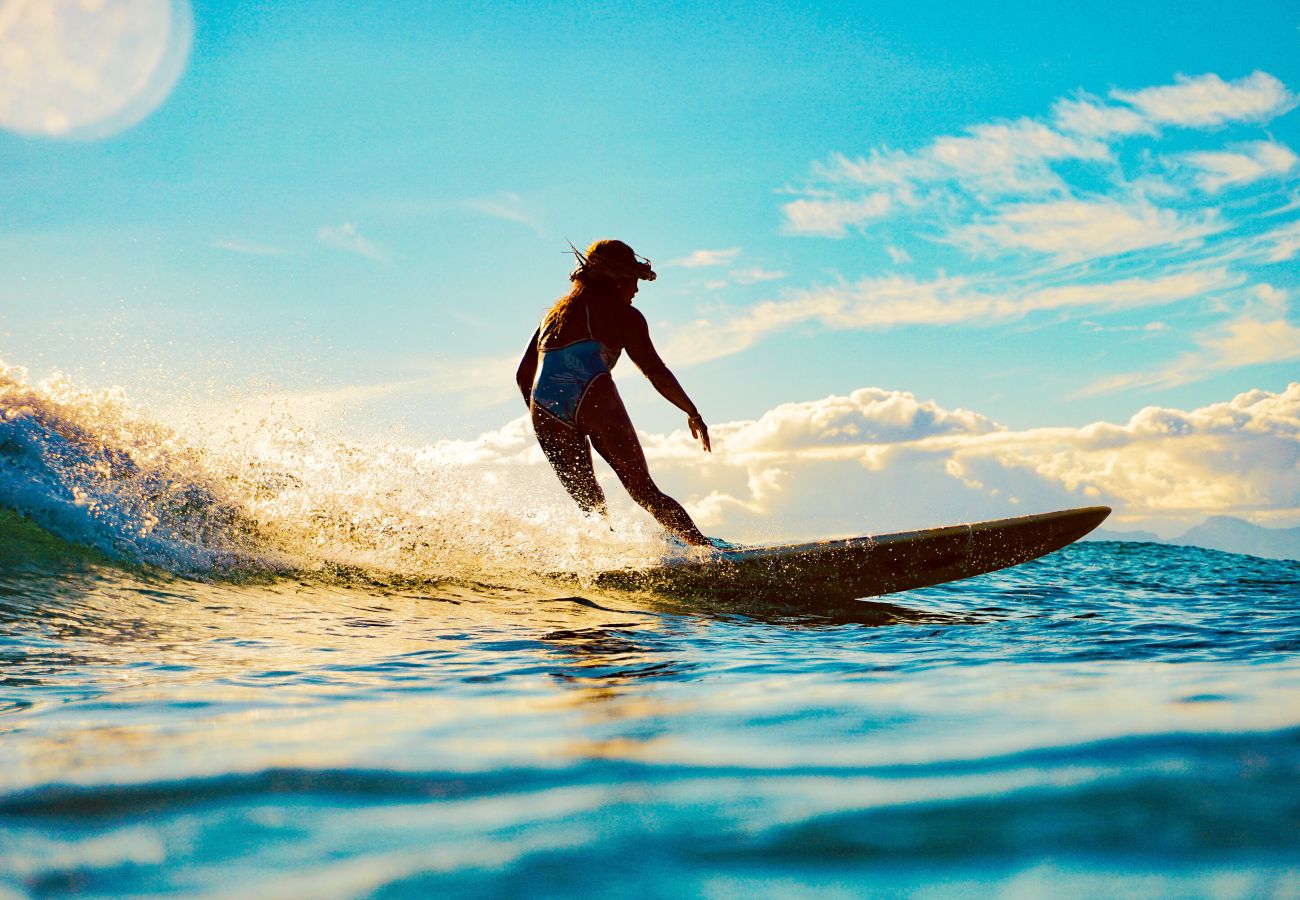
{"points": [[699, 430]]}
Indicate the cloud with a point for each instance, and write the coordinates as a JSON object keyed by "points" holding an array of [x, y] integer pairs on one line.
{"points": [[699, 259], [1208, 101], [996, 158], [1284, 242], [831, 218], [1156, 327], [877, 460], [1063, 183], [507, 207], [898, 255], [755, 275], [1260, 334], [1204, 101], [1073, 230], [1248, 163], [898, 300], [1240, 457], [348, 238], [1093, 118]]}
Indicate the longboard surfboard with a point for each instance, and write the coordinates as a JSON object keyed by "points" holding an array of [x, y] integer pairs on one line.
{"points": [[866, 566]]}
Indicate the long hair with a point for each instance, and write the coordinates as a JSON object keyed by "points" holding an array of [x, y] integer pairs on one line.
{"points": [[584, 290], [605, 263]]}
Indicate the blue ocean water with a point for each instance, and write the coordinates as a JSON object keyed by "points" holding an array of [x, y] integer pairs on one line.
{"points": [[221, 680]]}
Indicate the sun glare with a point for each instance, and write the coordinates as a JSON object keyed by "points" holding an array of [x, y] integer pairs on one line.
{"points": [[88, 68]]}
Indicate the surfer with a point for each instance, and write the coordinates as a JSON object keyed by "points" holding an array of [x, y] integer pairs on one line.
{"points": [[573, 401]]}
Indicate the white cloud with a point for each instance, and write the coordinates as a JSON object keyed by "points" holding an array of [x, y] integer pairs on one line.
{"points": [[897, 300], [1076, 229], [1260, 334], [996, 158], [1090, 117], [1074, 191], [898, 255], [348, 238], [867, 415], [1156, 327], [831, 218], [1207, 101], [1284, 241], [699, 259], [755, 275], [878, 460], [1248, 163], [507, 207]]}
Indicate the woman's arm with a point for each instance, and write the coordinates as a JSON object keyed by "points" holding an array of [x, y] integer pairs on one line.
{"points": [[527, 370], [666, 383], [647, 359]]}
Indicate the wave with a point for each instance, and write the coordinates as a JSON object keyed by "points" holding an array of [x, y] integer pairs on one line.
{"points": [[95, 471], [1127, 801]]}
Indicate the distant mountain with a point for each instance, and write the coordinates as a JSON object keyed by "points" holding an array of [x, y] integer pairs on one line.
{"points": [[1226, 533], [1239, 536], [1105, 534]]}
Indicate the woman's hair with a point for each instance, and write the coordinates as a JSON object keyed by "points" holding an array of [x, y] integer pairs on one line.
{"points": [[605, 264], [583, 291]]}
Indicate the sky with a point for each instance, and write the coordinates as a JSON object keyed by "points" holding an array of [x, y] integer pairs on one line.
{"points": [[918, 262]]}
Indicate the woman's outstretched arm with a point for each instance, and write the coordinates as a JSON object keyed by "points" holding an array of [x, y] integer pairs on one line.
{"points": [[527, 370], [647, 359]]}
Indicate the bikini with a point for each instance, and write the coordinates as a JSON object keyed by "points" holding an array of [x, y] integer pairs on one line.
{"points": [[567, 373]]}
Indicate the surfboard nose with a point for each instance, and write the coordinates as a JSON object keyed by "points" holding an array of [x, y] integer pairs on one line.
{"points": [[1092, 516]]}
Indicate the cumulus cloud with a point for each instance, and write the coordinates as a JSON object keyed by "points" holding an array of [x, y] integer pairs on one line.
{"points": [[1239, 457], [699, 259], [877, 460]]}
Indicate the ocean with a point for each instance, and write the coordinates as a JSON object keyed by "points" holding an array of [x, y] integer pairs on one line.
{"points": [[274, 666]]}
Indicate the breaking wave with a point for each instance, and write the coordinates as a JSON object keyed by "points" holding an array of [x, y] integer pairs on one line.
{"points": [[94, 470]]}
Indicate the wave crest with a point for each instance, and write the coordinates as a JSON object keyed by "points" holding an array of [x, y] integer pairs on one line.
{"points": [[93, 469]]}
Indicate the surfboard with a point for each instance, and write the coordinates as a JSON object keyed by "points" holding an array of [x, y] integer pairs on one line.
{"points": [[827, 571]]}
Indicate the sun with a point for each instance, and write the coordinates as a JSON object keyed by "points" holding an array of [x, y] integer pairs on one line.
{"points": [[88, 68]]}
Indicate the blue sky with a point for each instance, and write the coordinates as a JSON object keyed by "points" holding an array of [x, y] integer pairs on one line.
{"points": [[1048, 215]]}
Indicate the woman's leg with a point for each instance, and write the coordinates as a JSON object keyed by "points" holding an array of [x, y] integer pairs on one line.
{"points": [[604, 417], [569, 454]]}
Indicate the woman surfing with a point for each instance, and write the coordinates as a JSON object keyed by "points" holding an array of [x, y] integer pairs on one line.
{"points": [[565, 379]]}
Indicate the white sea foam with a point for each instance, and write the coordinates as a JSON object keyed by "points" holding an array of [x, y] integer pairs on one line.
{"points": [[94, 469]]}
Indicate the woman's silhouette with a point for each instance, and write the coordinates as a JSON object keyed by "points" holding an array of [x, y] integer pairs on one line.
{"points": [[565, 380]]}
